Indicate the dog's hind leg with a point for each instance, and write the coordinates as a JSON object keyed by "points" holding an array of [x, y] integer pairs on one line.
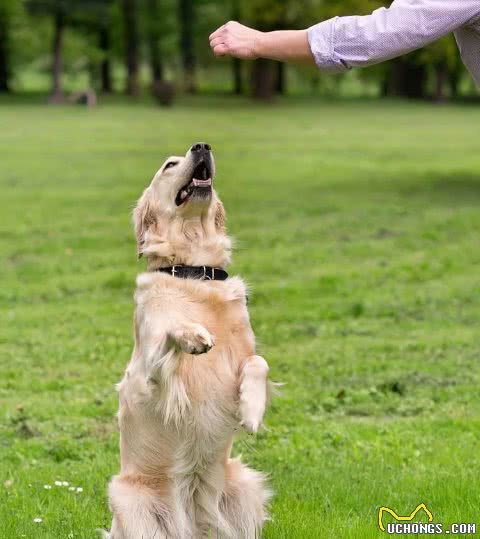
{"points": [[139, 512], [244, 501]]}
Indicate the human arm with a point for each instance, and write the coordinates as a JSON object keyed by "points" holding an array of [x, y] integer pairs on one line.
{"points": [[344, 42]]}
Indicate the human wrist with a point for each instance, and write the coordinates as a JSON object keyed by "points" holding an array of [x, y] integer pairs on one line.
{"points": [[283, 45], [259, 45]]}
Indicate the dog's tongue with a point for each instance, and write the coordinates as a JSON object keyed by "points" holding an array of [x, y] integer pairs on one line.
{"points": [[202, 183]]}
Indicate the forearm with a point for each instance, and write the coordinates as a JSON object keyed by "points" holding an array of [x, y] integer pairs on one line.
{"points": [[284, 45], [235, 39]]}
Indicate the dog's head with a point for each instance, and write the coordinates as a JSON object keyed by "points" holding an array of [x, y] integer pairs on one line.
{"points": [[184, 185], [179, 219]]}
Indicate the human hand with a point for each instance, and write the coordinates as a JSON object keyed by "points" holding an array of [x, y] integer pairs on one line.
{"points": [[235, 39]]}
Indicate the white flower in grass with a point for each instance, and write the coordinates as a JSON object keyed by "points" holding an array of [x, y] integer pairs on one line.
{"points": [[71, 488], [65, 483], [58, 483], [47, 487], [79, 489], [37, 520]]}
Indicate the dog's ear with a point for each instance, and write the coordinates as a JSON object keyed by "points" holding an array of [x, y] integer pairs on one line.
{"points": [[143, 219], [220, 217]]}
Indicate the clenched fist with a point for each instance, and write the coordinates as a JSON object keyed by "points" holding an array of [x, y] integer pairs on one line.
{"points": [[235, 39]]}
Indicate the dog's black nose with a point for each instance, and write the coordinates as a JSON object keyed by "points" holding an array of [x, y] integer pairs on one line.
{"points": [[201, 147]]}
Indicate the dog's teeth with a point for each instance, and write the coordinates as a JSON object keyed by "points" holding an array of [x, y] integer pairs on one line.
{"points": [[183, 194]]}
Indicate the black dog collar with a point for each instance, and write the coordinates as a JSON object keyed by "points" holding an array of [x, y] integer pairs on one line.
{"points": [[205, 273]]}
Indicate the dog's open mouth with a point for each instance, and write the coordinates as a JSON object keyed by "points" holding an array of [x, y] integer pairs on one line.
{"points": [[200, 185]]}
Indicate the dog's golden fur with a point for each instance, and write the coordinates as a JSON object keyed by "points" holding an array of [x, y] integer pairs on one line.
{"points": [[193, 379]]}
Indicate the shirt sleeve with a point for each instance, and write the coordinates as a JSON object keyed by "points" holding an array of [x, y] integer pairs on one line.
{"points": [[341, 43]]}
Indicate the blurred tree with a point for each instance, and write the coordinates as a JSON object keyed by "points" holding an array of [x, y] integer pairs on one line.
{"points": [[268, 77], [105, 45], [132, 46], [93, 20], [64, 13], [405, 77], [445, 64], [59, 17], [105, 64], [153, 18], [264, 15], [6, 13], [281, 78], [57, 10], [236, 62], [187, 22], [157, 23]]}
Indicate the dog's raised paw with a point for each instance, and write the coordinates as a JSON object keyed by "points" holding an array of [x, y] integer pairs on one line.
{"points": [[193, 339], [252, 409], [253, 393], [250, 426]]}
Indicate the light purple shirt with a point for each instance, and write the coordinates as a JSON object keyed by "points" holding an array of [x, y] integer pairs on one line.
{"points": [[341, 43]]}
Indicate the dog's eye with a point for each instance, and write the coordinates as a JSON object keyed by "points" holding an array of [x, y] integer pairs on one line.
{"points": [[171, 164]]}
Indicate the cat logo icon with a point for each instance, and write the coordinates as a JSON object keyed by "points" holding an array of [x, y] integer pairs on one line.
{"points": [[383, 510]]}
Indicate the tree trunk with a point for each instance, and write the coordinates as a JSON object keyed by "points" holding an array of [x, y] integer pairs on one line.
{"points": [[415, 81], [59, 23], [454, 77], [405, 78], [131, 46], [237, 73], [4, 50], [394, 79], [263, 79], [441, 74], [154, 42], [187, 28], [105, 65], [281, 81], [237, 76]]}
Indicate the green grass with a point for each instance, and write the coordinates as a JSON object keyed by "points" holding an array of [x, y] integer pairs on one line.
{"points": [[357, 226]]}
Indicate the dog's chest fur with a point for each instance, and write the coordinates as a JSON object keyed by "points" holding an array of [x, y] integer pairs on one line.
{"points": [[181, 415]]}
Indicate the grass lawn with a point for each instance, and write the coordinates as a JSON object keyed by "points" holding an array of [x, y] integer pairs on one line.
{"points": [[357, 226]]}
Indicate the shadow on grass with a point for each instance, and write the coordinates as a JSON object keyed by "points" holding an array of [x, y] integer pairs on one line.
{"points": [[447, 189]]}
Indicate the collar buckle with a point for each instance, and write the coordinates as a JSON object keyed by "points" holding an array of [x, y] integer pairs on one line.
{"points": [[205, 276]]}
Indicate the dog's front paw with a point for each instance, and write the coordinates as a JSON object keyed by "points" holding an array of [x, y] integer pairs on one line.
{"points": [[193, 339], [253, 393], [251, 413], [252, 406]]}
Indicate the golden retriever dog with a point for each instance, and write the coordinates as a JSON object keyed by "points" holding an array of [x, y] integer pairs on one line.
{"points": [[194, 376]]}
